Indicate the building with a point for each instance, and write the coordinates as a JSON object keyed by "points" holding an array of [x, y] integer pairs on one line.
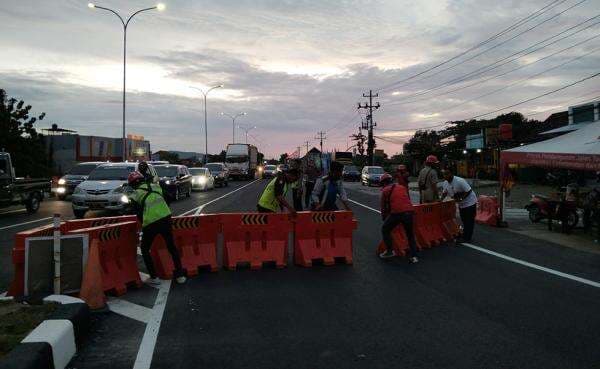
{"points": [[66, 150], [578, 116]]}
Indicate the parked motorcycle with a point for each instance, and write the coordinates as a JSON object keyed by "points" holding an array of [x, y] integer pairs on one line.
{"points": [[543, 207]]}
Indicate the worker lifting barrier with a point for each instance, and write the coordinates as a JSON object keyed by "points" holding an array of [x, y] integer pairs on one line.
{"points": [[487, 210], [325, 236], [400, 242], [117, 245], [450, 227], [196, 240], [17, 287], [255, 238], [428, 227]]}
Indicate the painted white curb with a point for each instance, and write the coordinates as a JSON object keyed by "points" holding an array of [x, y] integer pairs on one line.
{"points": [[64, 299], [60, 335]]}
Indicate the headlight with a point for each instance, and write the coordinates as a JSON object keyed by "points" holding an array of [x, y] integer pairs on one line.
{"points": [[61, 190], [62, 181], [78, 190], [202, 180], [125, 199], [167, 182]]}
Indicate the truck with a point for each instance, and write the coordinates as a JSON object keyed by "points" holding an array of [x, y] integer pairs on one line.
{"points": [[29, 192], [241, 160]]}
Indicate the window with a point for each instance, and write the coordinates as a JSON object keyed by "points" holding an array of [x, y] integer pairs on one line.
{"points": [[166, 171], [376, 170], [82, 169], [111, 173], [198, 171], [214, 168]]}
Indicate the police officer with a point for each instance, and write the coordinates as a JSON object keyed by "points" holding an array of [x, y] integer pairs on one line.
{"points": [[155, 216], [273, 197]]}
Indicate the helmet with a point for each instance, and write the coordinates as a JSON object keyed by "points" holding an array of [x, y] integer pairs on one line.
{"points": [[386, 179], [135, 178], [432, 159]]}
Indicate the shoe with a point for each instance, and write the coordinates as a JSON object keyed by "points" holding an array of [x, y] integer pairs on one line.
{"points": [[181, 280], [413, 260], [387, 254], [156, 282]]}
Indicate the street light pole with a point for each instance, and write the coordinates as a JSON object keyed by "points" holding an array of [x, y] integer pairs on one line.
{"points": [[233, 118], [247, 129], [206, 119], [125, 23]]}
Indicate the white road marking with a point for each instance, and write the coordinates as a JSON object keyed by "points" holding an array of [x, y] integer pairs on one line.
{"points": [[25, 223], [146, 350], [534, 266], [514, 260], [197, 210], [130, 310]]}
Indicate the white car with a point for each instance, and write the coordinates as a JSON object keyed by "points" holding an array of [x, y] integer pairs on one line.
{"points": [[202, 179], [105, 189], [269, 171]]}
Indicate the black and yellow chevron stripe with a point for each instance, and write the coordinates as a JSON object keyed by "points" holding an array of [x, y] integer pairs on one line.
{"points": [[186, 222], [255, 219], [323, 217], [109, 234]]}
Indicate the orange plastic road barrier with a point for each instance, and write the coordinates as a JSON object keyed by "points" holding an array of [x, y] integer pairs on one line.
{"points": [[400, 242], [450, 227], [255, 238], [17, 287], [196, 239], [428, 227], [71, 225], [323, 236], [487, 210], [118, 254], [91, 286]]}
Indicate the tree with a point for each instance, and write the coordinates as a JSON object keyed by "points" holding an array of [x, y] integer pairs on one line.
{"points": [[217, 158], [168, 156], [283, 158], [19, 137]]}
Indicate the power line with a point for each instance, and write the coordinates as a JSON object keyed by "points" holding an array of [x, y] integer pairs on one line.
{"points": [[506, 60], [492, 77], [524, 20]]}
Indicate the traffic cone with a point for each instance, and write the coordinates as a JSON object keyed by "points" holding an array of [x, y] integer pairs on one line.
{"points": [[91, 286]]}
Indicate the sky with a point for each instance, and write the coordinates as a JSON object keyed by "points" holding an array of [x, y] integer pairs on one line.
{"points": [[295, 67]]}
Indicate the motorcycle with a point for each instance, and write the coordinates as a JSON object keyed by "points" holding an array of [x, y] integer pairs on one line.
{"points": [[543, 207]]}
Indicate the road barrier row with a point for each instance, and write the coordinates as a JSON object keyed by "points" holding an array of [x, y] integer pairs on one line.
{"points": [[434, 224]]}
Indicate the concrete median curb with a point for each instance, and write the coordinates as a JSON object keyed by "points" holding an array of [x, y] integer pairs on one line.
{"points": [[53, 343]]}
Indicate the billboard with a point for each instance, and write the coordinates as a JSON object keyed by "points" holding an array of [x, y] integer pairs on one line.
{"points": [[475, 141]]}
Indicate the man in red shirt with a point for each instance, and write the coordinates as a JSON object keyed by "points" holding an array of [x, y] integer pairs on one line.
{"points": [[396, 209]]}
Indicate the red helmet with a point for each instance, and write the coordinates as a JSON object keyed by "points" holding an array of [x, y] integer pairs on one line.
{"points": [[386, 178], [432, 159], [135, 178]]}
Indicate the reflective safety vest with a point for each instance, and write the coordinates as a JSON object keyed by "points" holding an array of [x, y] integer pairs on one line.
{"points": [[149, 197], [268, 200]]}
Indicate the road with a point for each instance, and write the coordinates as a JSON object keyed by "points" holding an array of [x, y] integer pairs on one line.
{"points": [[504, 301]]}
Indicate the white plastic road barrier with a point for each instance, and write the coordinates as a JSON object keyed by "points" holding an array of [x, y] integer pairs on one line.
{"points": [[61, 337]]}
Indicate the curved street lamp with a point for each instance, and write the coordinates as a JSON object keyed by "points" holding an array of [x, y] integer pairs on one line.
{"points": [[246, 129], [205, 93], [233, 118], [125, 23]]}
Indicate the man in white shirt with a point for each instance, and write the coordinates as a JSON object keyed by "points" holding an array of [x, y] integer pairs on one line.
{"points": [[458, 189]]}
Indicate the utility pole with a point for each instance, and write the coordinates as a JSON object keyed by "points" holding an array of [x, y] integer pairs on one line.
{"points": [[299, 147], [306, 143], [321, 136], [370, 124]]}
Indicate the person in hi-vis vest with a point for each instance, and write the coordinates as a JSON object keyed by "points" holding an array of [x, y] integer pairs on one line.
{"points": [[155, 215], [273, 197]]}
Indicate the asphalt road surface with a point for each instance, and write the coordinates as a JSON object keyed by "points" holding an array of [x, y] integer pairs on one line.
{"points": [[504, 301]]}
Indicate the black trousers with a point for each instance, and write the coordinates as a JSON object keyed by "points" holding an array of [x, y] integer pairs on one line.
{"points": [[163, 228], [263, 209], [467, 216], [308, 189], [297, 197], [394, 220]]}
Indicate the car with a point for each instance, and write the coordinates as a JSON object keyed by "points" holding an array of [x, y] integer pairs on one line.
{"points": [[202, 179], [175, 180], [350, 173], [282, 168], [76, 175], [371, 175], [220, 172], [269, 171], [105, 189]]}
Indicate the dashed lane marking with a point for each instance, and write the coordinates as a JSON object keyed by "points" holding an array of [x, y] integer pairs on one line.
{"points": [[25, 223], [511, 259], [146, 350]]}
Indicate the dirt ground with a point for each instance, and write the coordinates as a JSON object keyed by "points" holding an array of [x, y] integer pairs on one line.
{"points": [[17, 320]]}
